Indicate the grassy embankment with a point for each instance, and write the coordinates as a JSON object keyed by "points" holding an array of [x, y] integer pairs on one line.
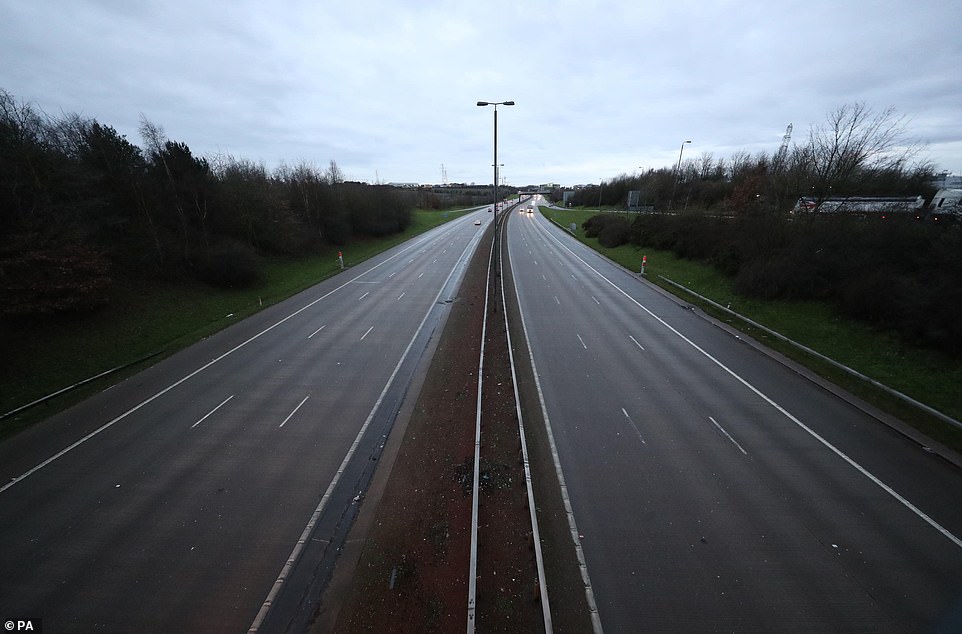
{"points": [[43, 356], [924, 375]]}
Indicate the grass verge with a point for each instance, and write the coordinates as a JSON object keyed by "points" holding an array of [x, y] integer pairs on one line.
{"points": [[144, 323], [925, 375]]}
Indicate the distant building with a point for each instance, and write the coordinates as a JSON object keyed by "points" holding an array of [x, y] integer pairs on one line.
{"points": [[947, 201], [946, 180], [860, 204]]}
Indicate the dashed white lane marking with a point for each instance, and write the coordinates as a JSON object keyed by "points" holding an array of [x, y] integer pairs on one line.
{"points": [[582, 341], [636, 342], [633, 426], [727, 435], [207, 415], [291, 415], [363, 296], [26, 474], [784, 412], [316, 331], [400, 296], [366, 333], [309, 527]]}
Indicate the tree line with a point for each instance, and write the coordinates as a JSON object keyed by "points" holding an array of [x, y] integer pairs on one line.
{"points": [[899, 276], [855, 151], [81, 206]]}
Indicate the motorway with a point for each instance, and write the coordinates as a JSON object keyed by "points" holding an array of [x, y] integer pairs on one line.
{"points": [[183, 498], [713, 488]]}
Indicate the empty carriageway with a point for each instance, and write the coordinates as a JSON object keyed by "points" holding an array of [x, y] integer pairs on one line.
{"points": [[186, 492], [711, 486]]}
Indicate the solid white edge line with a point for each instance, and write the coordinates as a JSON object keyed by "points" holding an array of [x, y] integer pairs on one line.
{"points": [[476, 479], [532, 507], [224, 402], [572, 525], [170, 387], [305, 535], [855, 465]]}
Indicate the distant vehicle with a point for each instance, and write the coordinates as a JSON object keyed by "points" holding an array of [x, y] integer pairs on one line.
{"points": [[477, 222]]}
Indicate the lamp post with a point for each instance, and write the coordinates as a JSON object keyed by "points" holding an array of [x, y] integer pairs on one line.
{"points": [[495, 104], [646, 175], [677, 172]]}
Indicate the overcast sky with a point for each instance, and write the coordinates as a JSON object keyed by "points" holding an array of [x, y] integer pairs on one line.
{"points": [[388, 88]]}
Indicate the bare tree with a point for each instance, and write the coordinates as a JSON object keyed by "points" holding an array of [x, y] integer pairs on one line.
{"points": [[22, 145], [706, 166], [159, 149], [153, 136], [854, 140], [739, 164], [334, 175]]}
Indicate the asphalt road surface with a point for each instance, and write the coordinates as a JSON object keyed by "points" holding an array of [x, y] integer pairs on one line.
{"points": [[174, 500], [715, 489]]}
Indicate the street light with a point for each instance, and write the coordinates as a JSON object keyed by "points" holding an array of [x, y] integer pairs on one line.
{"points": [[677, 172], [495, 104]]}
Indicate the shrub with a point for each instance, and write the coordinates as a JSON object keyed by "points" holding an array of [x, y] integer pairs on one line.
{"points": [[594, 225], [780, 277], [614, 234], [611, 230]]}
